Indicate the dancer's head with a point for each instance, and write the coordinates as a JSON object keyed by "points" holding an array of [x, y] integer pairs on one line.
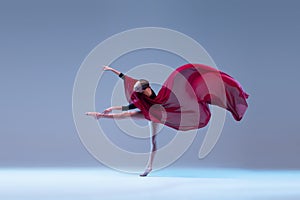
{"points": [[141, 85]]}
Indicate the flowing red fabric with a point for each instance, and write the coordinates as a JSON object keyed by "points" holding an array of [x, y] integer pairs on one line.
{"points": [[183, 101]]}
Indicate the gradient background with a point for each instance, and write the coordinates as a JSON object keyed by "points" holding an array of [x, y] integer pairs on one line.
{"points": [[43, 43]]}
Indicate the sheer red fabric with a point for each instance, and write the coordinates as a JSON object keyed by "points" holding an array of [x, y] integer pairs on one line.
{"points": [[183, 101]]}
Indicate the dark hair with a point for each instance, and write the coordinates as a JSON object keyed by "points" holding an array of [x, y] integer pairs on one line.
{"points": [[144, 83], [141, 85]]}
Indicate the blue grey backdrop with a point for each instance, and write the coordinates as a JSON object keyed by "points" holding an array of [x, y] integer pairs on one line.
{"points": [[43, 43]]}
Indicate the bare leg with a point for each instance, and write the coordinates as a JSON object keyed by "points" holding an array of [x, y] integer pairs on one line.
{"points": [[138, 115], [153, 130], [123, 115]]}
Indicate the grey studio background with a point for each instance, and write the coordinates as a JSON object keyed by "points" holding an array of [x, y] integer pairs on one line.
{"points": [[43, 43]]}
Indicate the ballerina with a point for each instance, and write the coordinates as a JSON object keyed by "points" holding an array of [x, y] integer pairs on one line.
{"points": [[141, 86], [183, 101]]}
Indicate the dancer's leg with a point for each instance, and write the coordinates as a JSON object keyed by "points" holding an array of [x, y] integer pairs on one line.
{"points": [[123, 115], [153, 130], [137, 115]]}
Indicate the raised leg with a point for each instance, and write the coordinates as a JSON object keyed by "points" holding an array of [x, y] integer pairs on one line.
{"points": [[122, 115]]}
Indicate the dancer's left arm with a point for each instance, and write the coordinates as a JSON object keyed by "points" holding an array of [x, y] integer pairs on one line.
{"points": [[107, 68], [108, 110]]}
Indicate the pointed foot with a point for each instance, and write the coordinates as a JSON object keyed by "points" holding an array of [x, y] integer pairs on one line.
{"points": [[146, 173], [96, 115]]}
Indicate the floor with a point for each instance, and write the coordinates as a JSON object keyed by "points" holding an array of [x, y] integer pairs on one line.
{"points": [[107, 184]]}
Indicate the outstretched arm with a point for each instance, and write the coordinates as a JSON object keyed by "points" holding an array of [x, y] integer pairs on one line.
{"points": [[108, 110], [107, 68]]}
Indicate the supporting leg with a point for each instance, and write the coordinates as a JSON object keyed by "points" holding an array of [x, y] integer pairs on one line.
{"points": [[153, 130]]}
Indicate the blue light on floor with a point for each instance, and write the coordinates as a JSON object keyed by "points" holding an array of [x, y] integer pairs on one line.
{"points": [[91, 183]]}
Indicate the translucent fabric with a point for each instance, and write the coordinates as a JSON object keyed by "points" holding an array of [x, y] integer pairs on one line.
{"points": [[183, 100]]}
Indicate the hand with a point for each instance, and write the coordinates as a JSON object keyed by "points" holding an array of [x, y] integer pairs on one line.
{"points": [[107, 68], [108, 110]]}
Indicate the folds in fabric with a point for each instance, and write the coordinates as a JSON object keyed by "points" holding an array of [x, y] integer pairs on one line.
{"points": [[183, 100]]}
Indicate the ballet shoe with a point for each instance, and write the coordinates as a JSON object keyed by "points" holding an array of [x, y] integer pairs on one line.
{"points": [[146, 172]]}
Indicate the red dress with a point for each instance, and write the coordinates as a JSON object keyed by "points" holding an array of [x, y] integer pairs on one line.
{"points": [[182, 102]]}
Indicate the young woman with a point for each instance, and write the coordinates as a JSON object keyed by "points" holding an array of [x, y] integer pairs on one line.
{"points": [[183, 101], [142, 86]]}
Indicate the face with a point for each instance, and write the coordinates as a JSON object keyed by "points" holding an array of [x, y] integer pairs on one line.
{"points": [[140, 87], [139, 91], [147, 92]]}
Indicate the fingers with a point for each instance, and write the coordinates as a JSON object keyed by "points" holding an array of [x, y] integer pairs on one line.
{"points": [[106, 68], [108, 110]]}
